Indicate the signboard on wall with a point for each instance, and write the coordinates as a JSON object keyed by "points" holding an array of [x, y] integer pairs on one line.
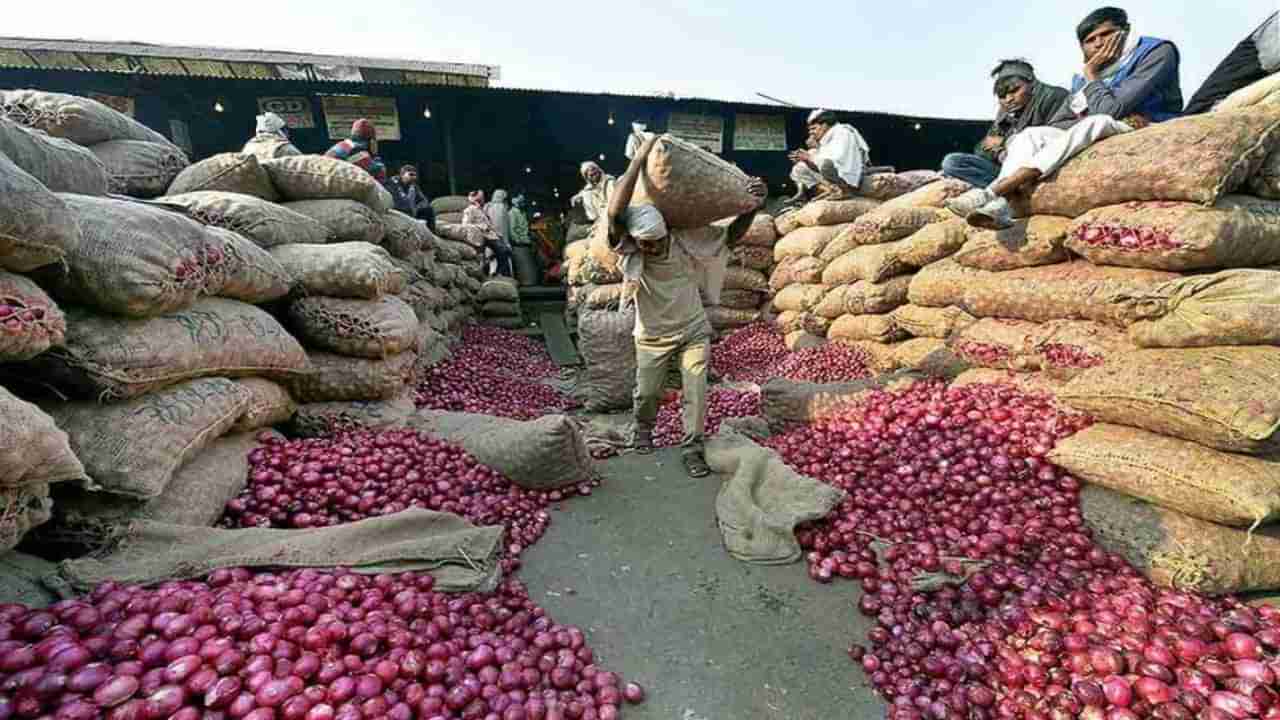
{"points": [[759, 132], [115, 102], [342, 110], [705, 131], [296, 111]]}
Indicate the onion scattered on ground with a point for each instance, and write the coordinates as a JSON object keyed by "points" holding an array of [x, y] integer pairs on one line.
{"points": [[722, 403], [493, 372]]}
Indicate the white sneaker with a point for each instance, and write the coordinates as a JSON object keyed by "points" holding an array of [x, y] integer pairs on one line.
{"points": [[967, 203], [995, 215]]}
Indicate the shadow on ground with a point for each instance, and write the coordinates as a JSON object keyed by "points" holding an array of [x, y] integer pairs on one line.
{"points": [[640, 567]]}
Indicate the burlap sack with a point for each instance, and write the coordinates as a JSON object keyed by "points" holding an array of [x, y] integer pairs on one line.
{"points": [[249, 273], [741, 299], [1226, 398], [1239, 231], [1178, 551], [543, 454], [786, 223], [29, 321], [601, 249], [21, 510], [36, 227], [469, 235], [933, 242], [500, 289], [762, 232], [133, 259], [500, 308], [81, 120], [107, 358], [1076, 290], [794, 270], [341, 378], [60, 165], [1069, 347], [139, 168], [23, 576], [1241, 491], [324, 418], [785, 403], [355, 328], [448, 251], [805, 242], [609, 357], [404, 236], [727, 318], [586, 271], [801, 297], [605, 296], [930, 356], [999, 344], [928, 322], [1260, 92], [1194, 159], [798, 340], [450, 204], [877, 328], [133, 448], [345, 220], [871, 263], [814, 324], [863, 298], [351, 270], [882, 226], [1034, 383], [226, 172], [314, 177], [930, 195], [423, 297], [752, 257], [744, 279], [1030, 242], [263, 222], [33, 450], [1265, 183], [1233, 307], [789, 321], [690, 186], [834, 212], [269, 405], [942, 284], [880, 357], [887, 186]]}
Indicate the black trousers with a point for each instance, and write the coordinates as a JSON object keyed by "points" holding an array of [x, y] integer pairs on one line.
{"points": [[1240, 68]]}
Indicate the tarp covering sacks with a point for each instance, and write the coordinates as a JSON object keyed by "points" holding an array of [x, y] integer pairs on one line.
{"points": [[60, 165], [227, 172], [1233, 307], [36, 226], [264, 222], [690, 186]]}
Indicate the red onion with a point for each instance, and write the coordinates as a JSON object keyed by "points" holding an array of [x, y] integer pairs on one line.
{"points": [[721, 404], [749, 354]]}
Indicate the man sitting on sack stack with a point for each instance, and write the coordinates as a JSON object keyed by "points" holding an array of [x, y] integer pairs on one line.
{"points": [[832, 168], [665, 269], [1128, 82]]}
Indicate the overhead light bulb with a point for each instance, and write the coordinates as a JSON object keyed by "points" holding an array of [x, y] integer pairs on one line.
{"points": [[917, 126], [610, 118], [601, 157], [426, 113], [217, 106], [527, 170]]}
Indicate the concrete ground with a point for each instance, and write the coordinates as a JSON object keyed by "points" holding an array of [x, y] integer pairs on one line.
{"points": [[639, 566]]}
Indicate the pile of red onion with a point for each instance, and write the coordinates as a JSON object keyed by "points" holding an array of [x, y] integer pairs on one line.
{"points": [[749, 354], [722, 403], [351, 476], [982, 354], [493, 372], [1123, 238], [830, 363], [301, 645], [1064, 355]]}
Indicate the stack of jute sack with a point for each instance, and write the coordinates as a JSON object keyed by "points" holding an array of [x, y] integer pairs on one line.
{"points": [[449, 208], [460, 270], [500, 304], [137, 160], [584, 275], [746, 281]]}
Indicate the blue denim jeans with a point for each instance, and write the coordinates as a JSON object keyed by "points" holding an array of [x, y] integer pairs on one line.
{"points": [[973, 169]]}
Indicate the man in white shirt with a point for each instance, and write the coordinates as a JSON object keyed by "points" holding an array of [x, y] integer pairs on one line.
{"points": [[835, 163]]}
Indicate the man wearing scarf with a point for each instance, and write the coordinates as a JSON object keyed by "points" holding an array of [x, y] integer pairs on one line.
{"points": [[271, 140], [594, 196], [1024, 102], [360, 149], [1128, 82], [661, 266], [835, 163]]}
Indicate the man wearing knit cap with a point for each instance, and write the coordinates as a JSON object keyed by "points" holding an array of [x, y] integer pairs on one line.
{"points": [[360, 149], [835, 163]]}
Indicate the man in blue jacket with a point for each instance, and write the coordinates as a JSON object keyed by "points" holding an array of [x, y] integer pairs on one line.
{"points": [[1128, 82]]}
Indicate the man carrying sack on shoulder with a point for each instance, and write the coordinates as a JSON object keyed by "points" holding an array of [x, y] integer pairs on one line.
{"points": [[663, 268]]}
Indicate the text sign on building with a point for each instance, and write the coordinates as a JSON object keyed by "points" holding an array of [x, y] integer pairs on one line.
{"points": [[759, 132], [705, 131], [115, 102], [342, 110], [296, 111]]}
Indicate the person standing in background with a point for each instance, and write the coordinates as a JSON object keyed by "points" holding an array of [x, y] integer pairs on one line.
{"points": [[594, 197], [271, 139], [518, 221], [360, 149]]}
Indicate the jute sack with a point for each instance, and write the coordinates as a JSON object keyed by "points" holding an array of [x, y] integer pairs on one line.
{"points": [[36, 227], [355, 328], [1076, 290], [1260, 92], [448, 251], [930, 356], [805, 242], [1226, 398], [450, 204], [339, 378], [23, 576], [609, 356], [1034, 383], [1069, 347], [834, 212], [403, 235], [928, 322], [139, 168], [794, 270], [249, 273], [761, 233], [1178, 551], [1241, 491], [1265, 183], [269, 405], [324, 418], [469, 235], [501, 308], [887, 186], [60, 165], [226, 172], [814, 324], [33, 450], [1194, 159], [863, 298], [133, 259], [801, 297], [877, 328], [606, 296], [263, 222], [107, 358], [314, 177], [21, 510], [882, 226], [745, 279], [1030, 242], [930, 195], [871, 263], [798, 340], [345, 220], [880, 357], [30, 323], [1238, 231], [500, 289], [1000, 344], [789, 321], [741, 299], [723, 318], [601, 249], [133, 448], [423, 297], [81, 120], [351, 270], [1233, 307], [543, 454], [752, 257], [690, 186], [942, 284], [786, 223], [785, 403], [933, 242]]}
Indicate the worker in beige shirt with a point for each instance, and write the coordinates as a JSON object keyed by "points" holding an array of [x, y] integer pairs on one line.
{"points": [[667, 271]]}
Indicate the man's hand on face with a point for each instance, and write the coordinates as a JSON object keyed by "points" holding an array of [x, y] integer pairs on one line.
{"points": [[1106, 55]]}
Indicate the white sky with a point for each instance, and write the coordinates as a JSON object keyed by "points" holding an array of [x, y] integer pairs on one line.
{"points": [[911, 56]]}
